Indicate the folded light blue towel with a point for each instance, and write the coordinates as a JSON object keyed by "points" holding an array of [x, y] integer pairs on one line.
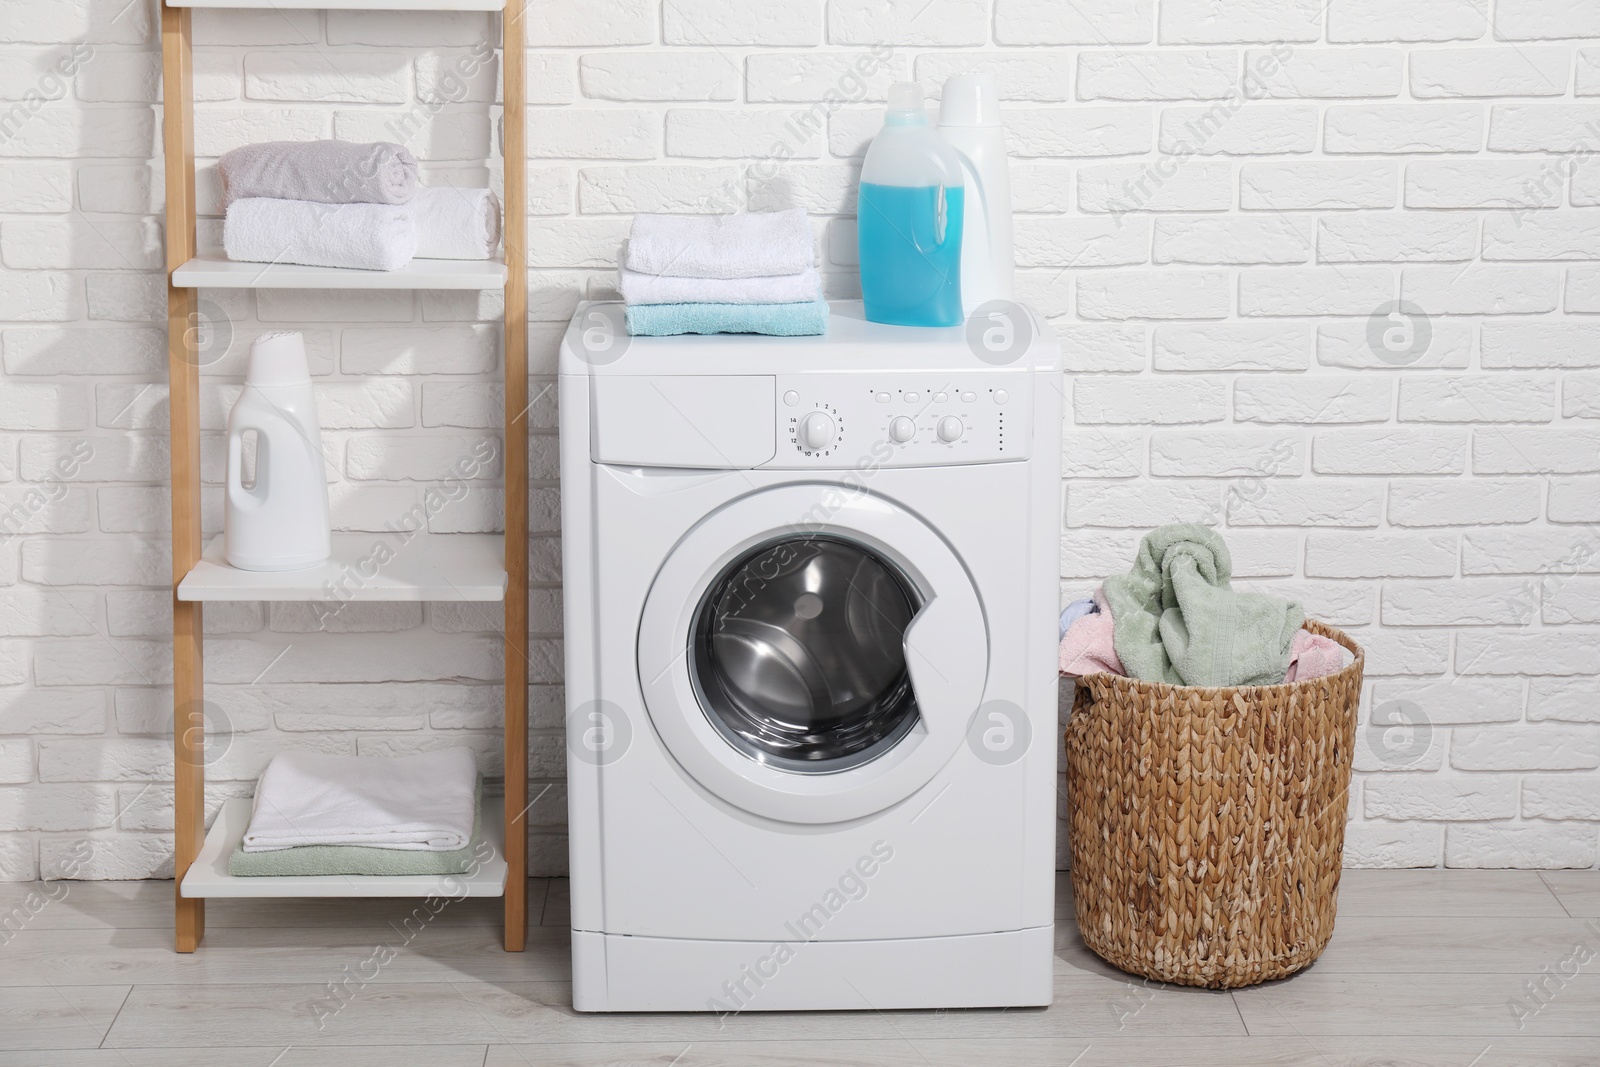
{"points": [[779, 320]]}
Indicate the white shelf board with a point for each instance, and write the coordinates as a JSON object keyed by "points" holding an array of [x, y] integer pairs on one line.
{"points": [[427, 567], [215, 270], [352, 5], [208, 876]]}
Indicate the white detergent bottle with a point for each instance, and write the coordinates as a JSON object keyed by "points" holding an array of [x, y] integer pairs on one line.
{"points": [[280, 522], [969, 119]]}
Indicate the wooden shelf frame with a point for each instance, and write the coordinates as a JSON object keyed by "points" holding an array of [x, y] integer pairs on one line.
{"points": [[183, 374]]}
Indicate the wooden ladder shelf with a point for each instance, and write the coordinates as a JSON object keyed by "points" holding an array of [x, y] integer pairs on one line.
{"points": [[466, 565]]}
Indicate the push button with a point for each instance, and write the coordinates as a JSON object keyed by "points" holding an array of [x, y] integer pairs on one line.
{"points": [[882, 398], [969, 398], [913, 397], [791, 398], [941, 398], [1001, 396]]}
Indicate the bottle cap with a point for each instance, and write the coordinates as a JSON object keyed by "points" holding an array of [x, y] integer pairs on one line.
{"points": [[278, 358], [970, 100], [905, 96]]}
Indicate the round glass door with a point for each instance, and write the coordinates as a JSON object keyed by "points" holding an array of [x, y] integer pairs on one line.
{"points": [[798, 654]]}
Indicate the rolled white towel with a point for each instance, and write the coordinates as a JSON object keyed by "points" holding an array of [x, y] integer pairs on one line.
{"points": [[754, 245], [456, 223], [421, 803], [367, 236], [329, 172], [638, 288]]}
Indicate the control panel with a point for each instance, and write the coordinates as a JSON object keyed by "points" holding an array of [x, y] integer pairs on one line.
{"points": [[900, 419]]}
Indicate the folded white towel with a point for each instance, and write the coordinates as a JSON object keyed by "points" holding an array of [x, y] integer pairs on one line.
{"points": [[456, 223], [368, 236], [421, 803], [753, 245], [639, 288], [330, 172]]}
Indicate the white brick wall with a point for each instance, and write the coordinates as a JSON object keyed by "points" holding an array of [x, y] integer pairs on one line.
{"points": [[1214, 199]]}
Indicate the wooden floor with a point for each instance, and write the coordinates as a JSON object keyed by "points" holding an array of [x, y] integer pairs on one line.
{"points": [[1426, 967]]}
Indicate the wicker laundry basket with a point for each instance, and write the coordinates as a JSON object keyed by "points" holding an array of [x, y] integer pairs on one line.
{"points": [[1207, 825]]}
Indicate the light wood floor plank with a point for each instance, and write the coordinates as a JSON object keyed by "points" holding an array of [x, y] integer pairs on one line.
{"points": [[60, 1017], [1578, 891], [1405, 945], [88, 905], [260, 1056], [300, 1014], [1085, 1004], [1325, 1003], [1125, 1052], [442, 952], [1421, 945], [1424, 971], [1435, 891], [148, 905]]}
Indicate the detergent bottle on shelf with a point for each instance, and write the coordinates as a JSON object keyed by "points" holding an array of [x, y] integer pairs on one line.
{"points": [[909, 219], [280, 522], [969, 119]]}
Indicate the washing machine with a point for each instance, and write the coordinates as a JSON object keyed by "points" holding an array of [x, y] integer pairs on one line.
{"points": [[811, 588]]}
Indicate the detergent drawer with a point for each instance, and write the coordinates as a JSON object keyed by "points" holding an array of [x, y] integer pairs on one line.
{"points": [[726, 422]]}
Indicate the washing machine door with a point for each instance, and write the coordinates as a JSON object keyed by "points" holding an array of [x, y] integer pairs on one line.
{"points": [[812, 653]]}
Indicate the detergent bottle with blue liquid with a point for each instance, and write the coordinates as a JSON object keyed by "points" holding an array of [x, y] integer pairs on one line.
{"points": [[909, 218]]}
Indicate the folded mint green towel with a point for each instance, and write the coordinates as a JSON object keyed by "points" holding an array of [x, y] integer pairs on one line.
{"points": [[1177, 619], [779, 320], [304, 860]]}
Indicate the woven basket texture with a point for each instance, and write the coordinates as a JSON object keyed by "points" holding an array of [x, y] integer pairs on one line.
{"points": [[1206, 826]]}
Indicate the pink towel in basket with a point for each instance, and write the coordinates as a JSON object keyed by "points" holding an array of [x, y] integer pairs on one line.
{"points": [[1087, 649], [1312, 656]]}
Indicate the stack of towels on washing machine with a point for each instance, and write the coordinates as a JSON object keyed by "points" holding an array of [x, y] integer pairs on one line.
{"points": [[342, 204], [364, 815], [749, 273]]}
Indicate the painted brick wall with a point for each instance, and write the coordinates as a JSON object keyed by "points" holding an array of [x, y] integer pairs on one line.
{"points": [[1219, 204]]}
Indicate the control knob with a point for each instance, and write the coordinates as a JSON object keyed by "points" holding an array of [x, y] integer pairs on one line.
{"points": [[901, 429], [950, 429], [816, 432]]}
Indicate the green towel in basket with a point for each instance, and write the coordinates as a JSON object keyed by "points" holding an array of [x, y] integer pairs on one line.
{"points": [[304, 860], [1176, 618]]}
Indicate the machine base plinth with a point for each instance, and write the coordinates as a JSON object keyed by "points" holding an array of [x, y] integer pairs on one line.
{"points": [[615, 972]]}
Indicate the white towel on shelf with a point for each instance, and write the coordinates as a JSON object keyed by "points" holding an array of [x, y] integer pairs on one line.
{"points": [[367, 236], [755, 245], [329, 172], [640, 288], [421, 803], [456, 223]]}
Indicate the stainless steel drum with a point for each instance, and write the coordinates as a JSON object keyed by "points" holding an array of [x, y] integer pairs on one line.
{"points": [[798, 654]]}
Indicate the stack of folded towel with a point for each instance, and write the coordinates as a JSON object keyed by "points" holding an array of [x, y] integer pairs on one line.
{"points": [[1176, 618], [364, 815], [341, 204], [722, 274]]}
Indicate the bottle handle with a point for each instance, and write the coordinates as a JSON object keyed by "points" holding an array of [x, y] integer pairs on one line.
{"points": [[972, 182], [238, 495], [940, 228]]}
